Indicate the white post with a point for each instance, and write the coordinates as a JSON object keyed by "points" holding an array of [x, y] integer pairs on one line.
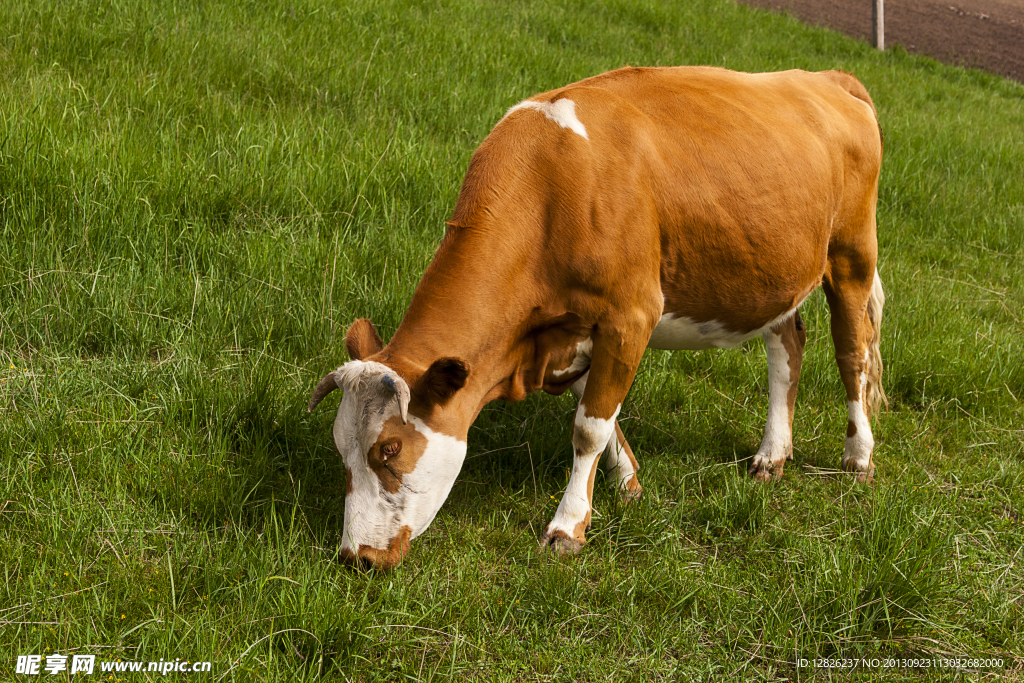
{"points": [[878, 20]]}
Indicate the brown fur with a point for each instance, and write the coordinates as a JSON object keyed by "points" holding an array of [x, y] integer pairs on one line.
{"points": [[381, 559], [850, 84], [391, 470], [362, 340], [514, 313]]}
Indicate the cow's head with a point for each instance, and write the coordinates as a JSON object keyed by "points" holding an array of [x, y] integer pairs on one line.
{"points": [[400, 467]]}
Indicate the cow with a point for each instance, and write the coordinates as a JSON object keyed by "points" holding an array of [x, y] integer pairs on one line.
{"points": [[670, 208]]}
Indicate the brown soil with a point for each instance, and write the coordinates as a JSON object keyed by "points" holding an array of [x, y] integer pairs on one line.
{"points": [[985, 34]]}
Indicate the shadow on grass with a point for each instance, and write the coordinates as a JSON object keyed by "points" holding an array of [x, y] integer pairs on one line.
{"points": [[265, 450]]}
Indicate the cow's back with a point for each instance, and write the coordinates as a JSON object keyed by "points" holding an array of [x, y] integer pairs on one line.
{"points": [[700, 192], [739, 180]]}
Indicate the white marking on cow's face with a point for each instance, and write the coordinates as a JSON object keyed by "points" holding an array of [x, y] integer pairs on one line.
{"points": [[367, 513], [680, 333], [378, 510], [777, 443], [427, 487], [581, 362], [562, 112]]}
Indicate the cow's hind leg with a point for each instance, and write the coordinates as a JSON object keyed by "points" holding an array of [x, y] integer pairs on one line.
{"points": [[621, 466], [785, 346], [856, 299]]}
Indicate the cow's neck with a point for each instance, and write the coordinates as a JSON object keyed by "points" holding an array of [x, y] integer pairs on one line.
{"points": [[475, 302]]}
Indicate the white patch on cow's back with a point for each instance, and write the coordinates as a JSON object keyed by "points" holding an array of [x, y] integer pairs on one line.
{"points": [[562, 112], [581, 362]]}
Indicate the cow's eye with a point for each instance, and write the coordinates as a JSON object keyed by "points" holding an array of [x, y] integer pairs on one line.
{"points": [[390, 449]]}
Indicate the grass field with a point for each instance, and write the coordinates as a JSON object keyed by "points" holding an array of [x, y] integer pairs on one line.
{"points": [[196, 199]]}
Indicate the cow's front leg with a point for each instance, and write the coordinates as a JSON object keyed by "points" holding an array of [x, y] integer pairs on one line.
{"points": [[785, 346], [620, 464], [613, 365], [567, 531]]}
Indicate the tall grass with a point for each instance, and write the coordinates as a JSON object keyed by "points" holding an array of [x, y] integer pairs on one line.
{"points": [[197, 198]]}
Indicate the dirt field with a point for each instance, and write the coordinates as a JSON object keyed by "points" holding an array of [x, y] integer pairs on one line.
{"points": [[986, 34]]}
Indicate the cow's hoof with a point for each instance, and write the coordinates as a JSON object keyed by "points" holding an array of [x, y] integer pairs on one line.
{"points": [[765, 471], [863, 476], [631, 494], [561, 542]]}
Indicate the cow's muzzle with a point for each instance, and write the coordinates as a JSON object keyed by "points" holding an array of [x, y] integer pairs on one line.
{"points": [[368, 557]]}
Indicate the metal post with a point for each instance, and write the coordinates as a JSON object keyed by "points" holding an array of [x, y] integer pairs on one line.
{"points": [[878, 20]]}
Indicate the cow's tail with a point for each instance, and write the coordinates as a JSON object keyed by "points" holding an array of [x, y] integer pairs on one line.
{"points": [[874, 396]]}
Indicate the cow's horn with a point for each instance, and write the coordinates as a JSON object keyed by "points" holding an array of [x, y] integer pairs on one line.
{"points": [[401, 390], [326, 386]]}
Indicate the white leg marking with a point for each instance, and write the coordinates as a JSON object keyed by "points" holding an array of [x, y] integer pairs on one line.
{"points": [[777, 443], [590, 436], [617, 463], [857, 455], [562, 112], [859, 446]]}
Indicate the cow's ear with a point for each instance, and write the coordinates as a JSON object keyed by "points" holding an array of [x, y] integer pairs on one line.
{"points": [[443, 378], [362, 340]]}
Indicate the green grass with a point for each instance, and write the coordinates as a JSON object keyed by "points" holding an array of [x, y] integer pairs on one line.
{"points": [[196, 199]]}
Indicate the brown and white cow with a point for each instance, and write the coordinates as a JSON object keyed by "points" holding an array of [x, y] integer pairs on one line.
{"points": [[672, 208]]}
